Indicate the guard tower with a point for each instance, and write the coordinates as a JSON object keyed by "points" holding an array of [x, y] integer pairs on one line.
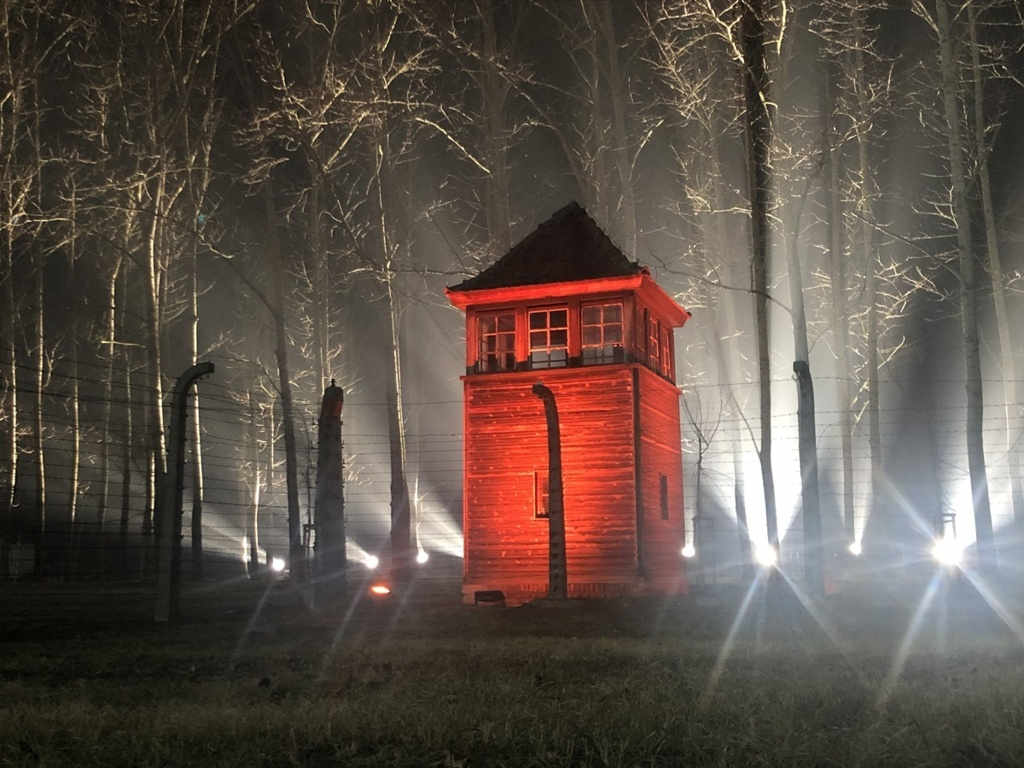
{"points": [[566, 308]]}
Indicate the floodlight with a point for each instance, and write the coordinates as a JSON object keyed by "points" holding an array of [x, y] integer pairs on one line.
{"points": [[947, 551], [422, 556], [689, 551], [765, 555], [855, 549], [371, 561], [277, 564]]}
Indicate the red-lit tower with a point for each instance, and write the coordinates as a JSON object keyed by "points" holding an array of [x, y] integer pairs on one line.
{"points": [[565, 307]]}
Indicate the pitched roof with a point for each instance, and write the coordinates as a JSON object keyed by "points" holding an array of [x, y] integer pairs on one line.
{"points": [[568, 246]]}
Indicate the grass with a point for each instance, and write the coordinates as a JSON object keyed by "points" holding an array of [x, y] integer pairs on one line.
{"points": [[620, 683]]}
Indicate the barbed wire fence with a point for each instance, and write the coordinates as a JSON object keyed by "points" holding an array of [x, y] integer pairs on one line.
{"points": [[112, 535]]}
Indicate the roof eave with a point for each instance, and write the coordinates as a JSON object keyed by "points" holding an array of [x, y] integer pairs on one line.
{"points": [[540, 291]]}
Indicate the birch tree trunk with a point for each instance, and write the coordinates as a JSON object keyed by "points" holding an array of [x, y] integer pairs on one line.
{"points": [[840, 317], [757, 131], [153, 296], [38, 432], [1003, 322], [109, 347], [252, 530], [620, 151], [808, 446], [968, 293], [280, 278], [71, 560], [196, 525], [494, 94]]}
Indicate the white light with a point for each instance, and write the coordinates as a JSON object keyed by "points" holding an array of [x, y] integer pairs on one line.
{"points": [[947, 551], [765, 554], [277, 564], [855, 549], [380, 589], [371, 561], [422, 556], [689, 551]]}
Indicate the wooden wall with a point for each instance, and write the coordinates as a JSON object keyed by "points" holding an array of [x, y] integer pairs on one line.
{"points": [[661, 454], [506, 442]]}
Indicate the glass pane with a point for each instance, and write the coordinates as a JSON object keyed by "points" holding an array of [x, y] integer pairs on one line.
{"points": [[613, 313], [591, 315], [558, 319], [559, 338], [487, 325], [538, 359], [507, 341], [506, 322], [508, 362], [490, 344], [613, 333], [538, 320], [591, 334], [539, 339], [558, 357]]}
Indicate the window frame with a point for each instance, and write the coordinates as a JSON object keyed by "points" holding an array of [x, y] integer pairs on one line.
{"points": [[548, 330], [653, 331], [606, 352], [483, 355]]}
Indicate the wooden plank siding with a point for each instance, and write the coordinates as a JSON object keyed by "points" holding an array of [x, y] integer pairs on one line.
{"points": [[506, 546], [661, 455]]}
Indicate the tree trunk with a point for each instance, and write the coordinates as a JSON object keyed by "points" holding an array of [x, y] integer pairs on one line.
{"points": [[40, 445], [968, 294], [71, 560], [494, 94], [757, 132], [401, 523], [11, 353], [620, 152], [808, 446], [156, 419], [330, 498], [1003, 321], [196, 524], [252, 532], [108, 388], [126, 463], [840, 318], [280, 277]]}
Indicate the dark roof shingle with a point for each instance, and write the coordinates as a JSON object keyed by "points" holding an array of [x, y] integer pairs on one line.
{"points": [[568, 246]]}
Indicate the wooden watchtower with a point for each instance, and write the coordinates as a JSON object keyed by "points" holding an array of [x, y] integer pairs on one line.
{"points": [[566, 308]]}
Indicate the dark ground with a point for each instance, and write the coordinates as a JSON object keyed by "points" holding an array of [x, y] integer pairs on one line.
{"points": [[87, 679]]}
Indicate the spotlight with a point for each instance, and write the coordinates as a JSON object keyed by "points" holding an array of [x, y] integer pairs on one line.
{"points": [[422, 556], [371, 561], [277, 564], [765, 555], [947, 551], [855, 549], [380, 589], [688, 551]]}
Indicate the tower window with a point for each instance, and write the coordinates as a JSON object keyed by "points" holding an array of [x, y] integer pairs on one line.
{"points": [[653, 333], [666, 357], [541, 494], [497, 342], [602, 333], [549, 338], [663, 495]]}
